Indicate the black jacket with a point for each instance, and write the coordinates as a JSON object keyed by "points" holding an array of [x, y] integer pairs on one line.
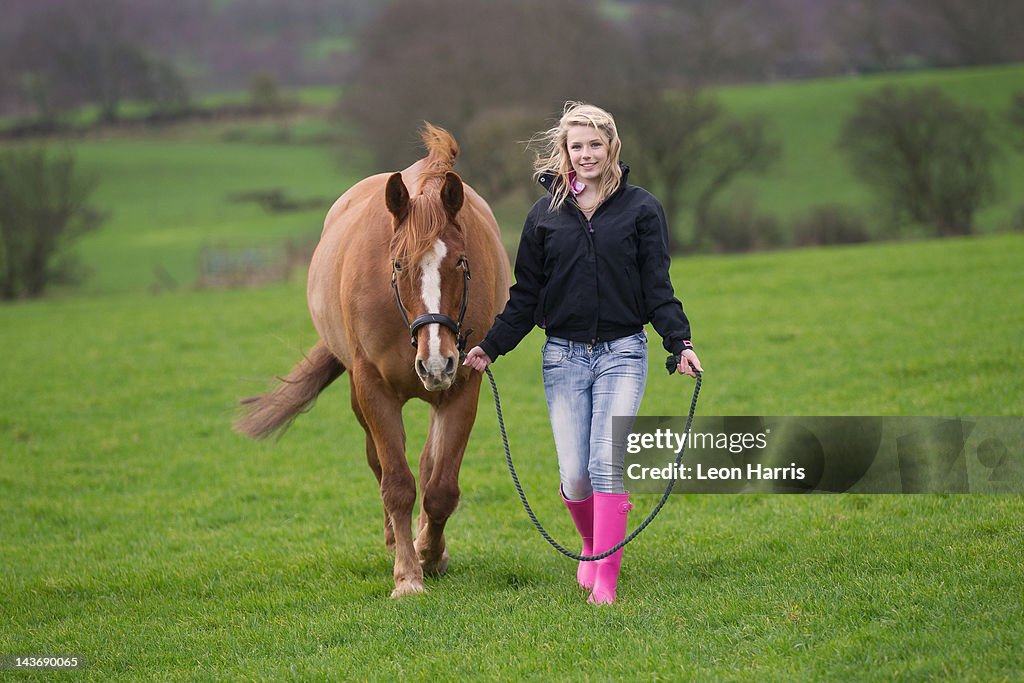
{"points": [[592, 281]]}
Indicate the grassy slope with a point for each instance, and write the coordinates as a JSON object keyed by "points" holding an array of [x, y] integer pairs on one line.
{"points": [[168, 197], [808, 115], [167, 194], [139, 532]]}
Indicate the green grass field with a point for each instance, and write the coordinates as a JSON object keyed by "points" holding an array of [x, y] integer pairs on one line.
{"points": [[167, 198], [140, 533]]}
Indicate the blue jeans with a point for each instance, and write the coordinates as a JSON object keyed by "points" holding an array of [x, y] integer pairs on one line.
{"points": [[586, 385]]}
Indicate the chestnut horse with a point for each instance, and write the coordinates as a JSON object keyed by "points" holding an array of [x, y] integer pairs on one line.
{"points": [[399, 247]]}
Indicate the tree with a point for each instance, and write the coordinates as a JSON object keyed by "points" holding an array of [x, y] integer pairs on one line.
{"points": [[691, 148], [738, 146], [974, 32], [698, 42], [668, 133], [69, 52], [873, 35], [496, 157], [1016, 116], [447, 60], [928, 158], [44, 207]]}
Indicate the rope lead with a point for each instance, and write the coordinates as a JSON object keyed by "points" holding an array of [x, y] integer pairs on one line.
{"points": [[526, 503]]}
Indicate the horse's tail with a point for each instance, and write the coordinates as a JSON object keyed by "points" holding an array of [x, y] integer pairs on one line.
{"points": [[273, 412], [442, 150]]}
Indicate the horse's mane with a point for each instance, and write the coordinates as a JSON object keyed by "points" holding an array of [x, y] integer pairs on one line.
{"points": [[427, 218], [442, 150]]}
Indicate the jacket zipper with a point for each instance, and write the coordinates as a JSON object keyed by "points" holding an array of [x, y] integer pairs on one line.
{"points": [[589, 232], [584, 221]]}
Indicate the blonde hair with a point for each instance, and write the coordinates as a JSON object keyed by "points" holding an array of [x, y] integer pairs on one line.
{"points": [[554, 155]]}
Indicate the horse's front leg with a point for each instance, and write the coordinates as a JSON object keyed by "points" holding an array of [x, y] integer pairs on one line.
{"points": [[382, 411], [451, 422], [374, 462]]}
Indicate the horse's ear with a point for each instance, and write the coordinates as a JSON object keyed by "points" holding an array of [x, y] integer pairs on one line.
{"points": [[397, 197], [452, 194]]}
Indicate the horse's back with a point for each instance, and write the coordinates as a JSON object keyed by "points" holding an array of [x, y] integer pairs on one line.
{"points": [[354, 220], [353, 199]]}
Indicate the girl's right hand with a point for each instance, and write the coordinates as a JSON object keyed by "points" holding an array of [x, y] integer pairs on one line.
{"points": [[477, 359]]}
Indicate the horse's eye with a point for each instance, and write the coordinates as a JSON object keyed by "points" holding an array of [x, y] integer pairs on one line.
{"points": [[398, 265]]}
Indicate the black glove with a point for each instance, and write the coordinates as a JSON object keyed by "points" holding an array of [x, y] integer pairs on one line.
{"points": [[672, 364]]}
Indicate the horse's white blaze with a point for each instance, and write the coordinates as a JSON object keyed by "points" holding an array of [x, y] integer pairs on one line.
{"points": [[430, 290]]}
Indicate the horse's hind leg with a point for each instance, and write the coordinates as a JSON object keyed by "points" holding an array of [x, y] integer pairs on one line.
{"points": [[374, 462], [451, 423], [382, 411]]}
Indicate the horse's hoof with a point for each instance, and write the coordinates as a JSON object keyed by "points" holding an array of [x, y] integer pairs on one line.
{"points": [[436, 568], [431, 562], [407, 587]]}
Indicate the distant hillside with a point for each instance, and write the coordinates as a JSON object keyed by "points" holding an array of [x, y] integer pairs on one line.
{"points": [[808, 115], [170, 192]]}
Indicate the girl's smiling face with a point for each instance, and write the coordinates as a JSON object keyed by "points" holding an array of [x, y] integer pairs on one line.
{"points": [[588, 152]]}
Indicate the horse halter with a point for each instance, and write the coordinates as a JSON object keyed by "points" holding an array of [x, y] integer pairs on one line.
{"points": [[429, 318]]}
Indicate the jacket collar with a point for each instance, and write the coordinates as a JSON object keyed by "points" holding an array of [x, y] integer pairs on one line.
{"points": [[550, 180]]}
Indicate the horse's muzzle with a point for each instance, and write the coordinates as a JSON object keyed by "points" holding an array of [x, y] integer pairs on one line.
{"points": [[437, 374]]}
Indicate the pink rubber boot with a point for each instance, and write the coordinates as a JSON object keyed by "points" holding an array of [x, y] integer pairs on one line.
{"points": [[582, 513], [611, 511]]}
